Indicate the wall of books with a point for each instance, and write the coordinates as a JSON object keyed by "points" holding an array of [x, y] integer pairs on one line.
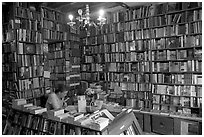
{"points": [[153, 53], [37, 51], [56, 48], [75, 59], [23, 54]]}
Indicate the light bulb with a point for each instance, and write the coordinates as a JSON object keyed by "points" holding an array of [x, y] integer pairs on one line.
{"points": [[71, 17], [80, 12], [101, 12]]}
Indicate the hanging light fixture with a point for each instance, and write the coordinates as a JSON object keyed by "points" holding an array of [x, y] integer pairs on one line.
{"points": [[85, 20]]}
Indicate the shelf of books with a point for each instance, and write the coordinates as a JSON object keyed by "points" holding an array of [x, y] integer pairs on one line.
{"points": [[177, 63], [28, 119], [56, 48], [75, 59], [24, 38], [153, 53]]}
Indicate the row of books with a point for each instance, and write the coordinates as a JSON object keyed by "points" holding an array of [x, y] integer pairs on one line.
{"points": [[7, 67], [52, 25], [126, 57], [136, 67], [92, 76], [147, 23], [186, 66], [162, 32], [60, 69], [75, 60], [178, 90], [57, 54], [59, 46], [9, 81], [27, 48], [8, 47], [52, 14], [57, 62], [31, 93], [177, 42], [138, 95], [149, 10], [54, 35], [75, 68], [177, 101], [29, 60], [58, 76], [134, 45], [175, 110], [53, 126], [93, 59], [126, 86], [140, 45], [7, 35], [189, 54], [27, 13], [26, 24], [194, 27], [128, 77], [29, 36], [92, 67], [75, 78], [177, 78], [31, 83], [30, 72], [193, 15]]}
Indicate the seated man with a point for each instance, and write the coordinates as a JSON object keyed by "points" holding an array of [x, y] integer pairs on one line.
{"points": [[56, 99]]}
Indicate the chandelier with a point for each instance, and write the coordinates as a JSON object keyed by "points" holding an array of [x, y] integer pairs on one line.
{"points": [[85, 20]]}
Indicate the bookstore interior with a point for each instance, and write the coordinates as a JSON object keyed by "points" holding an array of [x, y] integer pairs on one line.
{"points": [[102, 68]]}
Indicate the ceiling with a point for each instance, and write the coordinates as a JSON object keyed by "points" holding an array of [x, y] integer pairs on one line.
{"points": [[72, 7]]}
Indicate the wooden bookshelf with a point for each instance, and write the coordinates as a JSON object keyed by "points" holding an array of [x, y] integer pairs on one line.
{"points": [[153, 53], [55, 41], [25, 57], [75, 60]]}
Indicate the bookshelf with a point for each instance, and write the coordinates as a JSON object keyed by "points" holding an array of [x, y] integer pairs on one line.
{"points": [[153, 53], [75, 59], [56, 48], [24, 122], [23, 56]]}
